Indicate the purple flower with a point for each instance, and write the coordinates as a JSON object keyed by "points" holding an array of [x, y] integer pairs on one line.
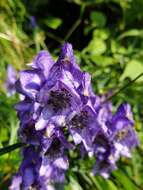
{"points": [[40, 170], [116, 139], [33, 22], [104, 150], [81, 125], [16, 182], [10, 81], [104, 167], [54, 163], [104, 115], [60, 113], [44, 62], [123, 132], [85, 88], [28, 171], [30, 81], [50, 92]]}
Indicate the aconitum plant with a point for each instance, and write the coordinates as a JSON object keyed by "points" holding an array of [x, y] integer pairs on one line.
{"points": [[60, 113]]}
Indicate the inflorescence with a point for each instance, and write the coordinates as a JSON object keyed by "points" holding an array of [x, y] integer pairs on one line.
{"points": [[61, 113]]}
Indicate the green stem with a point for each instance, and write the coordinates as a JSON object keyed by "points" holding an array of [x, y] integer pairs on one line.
{"points": [[13, 132], [123, 88], [76, 24], [56, 38], [10, 148]]}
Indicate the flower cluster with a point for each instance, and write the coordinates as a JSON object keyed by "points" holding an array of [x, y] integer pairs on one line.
{"points": [[60, 112]]}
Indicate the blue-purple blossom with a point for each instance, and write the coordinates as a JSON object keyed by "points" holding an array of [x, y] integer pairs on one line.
{"points": [[123, 132], [10, 81], [117, 138], [60, 113], [33, 22]]}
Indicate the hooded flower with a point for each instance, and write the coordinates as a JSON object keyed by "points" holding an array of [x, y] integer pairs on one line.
{"points": [[28, 172], [104, 151], [54, 163], [123, 132], [41, 169], [81, 125], [117, 140], [31, 81]]}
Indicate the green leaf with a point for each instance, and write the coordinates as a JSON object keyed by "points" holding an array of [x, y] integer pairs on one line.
{"points": [[10, 148], [3, 134], [111, 185], [132, 70], [131, 33], [101, 33], [98, 19], [106, 184], [102, 60], [124, 180], [73, 185], [96, 47], [96, 182], [53, 22]]}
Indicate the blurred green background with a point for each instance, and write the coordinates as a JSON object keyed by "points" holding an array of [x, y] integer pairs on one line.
{"points": [[107, 36]]}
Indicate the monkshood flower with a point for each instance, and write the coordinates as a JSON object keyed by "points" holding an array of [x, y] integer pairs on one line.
{"points": [[28, 171], [123, 132], [117, 138], [104, 150], [81, 125], [54, 163], [50, 95], [60, 113], [40, 171], [44, 85], [10, 81]]}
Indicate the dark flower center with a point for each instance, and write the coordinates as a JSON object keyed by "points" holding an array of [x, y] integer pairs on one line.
{"points": [[81, 120], [102, 141], [29, 133], [29, 129], [34, 187], [103, 165], [59, 99], [54, 148]]}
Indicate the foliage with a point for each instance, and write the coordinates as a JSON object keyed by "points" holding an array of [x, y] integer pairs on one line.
{"points": [[108, 38]]}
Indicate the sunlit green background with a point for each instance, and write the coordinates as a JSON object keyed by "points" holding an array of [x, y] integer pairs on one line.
{"points": [[107, 36]]}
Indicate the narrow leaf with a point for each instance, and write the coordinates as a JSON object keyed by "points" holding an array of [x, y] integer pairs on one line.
{"points": [[10, 148]]}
